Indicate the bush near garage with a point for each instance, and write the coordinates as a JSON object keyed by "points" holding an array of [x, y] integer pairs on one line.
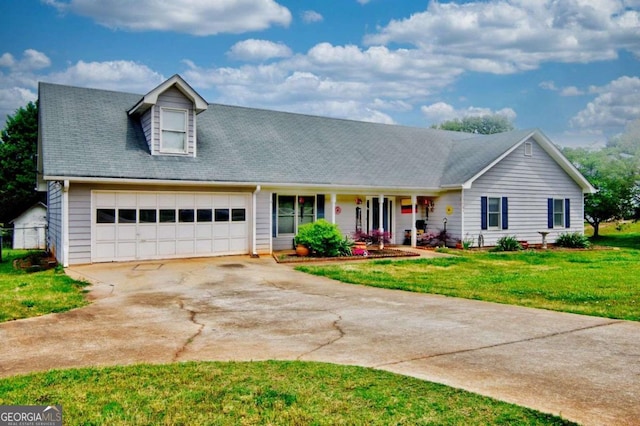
{"points": [[323, 239]]}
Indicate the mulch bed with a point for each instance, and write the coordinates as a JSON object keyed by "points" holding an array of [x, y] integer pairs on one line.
{"points": [[373, 254]]}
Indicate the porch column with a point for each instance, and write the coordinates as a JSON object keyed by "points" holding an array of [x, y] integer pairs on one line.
{"points": [[333, 208], [381, 219], [414, 230]]}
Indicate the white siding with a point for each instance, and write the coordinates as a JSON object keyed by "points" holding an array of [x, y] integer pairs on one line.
{"points": [[173, 98], [346, 220], [435, 224], [79, 224], [527, 182], [263, 222], [54, 219]]}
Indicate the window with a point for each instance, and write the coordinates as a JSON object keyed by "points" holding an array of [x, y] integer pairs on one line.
{"points": [[494, 212], [126, 215], [205, 215], [167, 215], [559, 213], [294, 211], [222, 215], [174, 131], [186, 215], [528, 149], [147, 216], [238, 215], [105, 216]]}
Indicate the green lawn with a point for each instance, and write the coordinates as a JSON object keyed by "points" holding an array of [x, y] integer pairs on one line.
{"points": [[24, 295], [274, 392], [617, 234], [601, 282]]}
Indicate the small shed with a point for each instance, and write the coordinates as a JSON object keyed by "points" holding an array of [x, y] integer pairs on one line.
{"points": [[29, 228]]}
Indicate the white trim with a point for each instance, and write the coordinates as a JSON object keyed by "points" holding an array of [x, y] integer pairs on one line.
{"points": [[334, 198], [345, 189], [65, 224], [254, 223], [414, 230], [151, 98], [528, 149], [195, 135], [153, 128]]}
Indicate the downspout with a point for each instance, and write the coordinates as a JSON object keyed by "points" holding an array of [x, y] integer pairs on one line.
{"points": [[65, 224], [254, 223]]}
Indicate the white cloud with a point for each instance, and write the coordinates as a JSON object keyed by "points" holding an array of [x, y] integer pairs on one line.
{"points": [[197, 17], [13, 98], [548, 85], [564, 91], [310, 16], [377, 79], [615, 105], [125, 76], [571, 91], [31, 60], [441, 111], [507, 36], [258, 50]]}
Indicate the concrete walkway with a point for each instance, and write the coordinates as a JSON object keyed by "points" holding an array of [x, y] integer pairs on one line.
{"points": [[586, 369]]}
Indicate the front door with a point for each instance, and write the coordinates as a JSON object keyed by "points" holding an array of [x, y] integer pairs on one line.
{"points": [[373, 214]]}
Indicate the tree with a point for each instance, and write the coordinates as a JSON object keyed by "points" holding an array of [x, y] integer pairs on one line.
{"points": [[614, 176], [18, 149], [486, 124]]}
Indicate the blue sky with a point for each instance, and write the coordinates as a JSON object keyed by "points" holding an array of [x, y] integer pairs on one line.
{"points": [[568, 67]]}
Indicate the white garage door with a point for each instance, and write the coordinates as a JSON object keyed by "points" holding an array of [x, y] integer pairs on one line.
{"points": [[155, 225]]}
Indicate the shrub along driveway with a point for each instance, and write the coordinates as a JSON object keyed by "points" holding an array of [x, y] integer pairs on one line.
{"points": [[586, 369]]}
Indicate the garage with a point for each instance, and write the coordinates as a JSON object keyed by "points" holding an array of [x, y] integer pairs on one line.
{"points": [[139, 225]]}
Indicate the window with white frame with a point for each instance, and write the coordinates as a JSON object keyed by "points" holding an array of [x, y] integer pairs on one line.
{"points": [[528, 149], [558, 213], [293, 211], [493, 212], [173, 124]]}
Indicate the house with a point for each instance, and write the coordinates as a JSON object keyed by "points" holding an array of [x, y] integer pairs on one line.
{"points": [[167, 175], [29, 229]]}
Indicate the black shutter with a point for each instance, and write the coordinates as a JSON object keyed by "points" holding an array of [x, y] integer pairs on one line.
{"points": [[567, 213], [550, 213], [274, 214], [505, 213], [320, 202], [483, 213]]}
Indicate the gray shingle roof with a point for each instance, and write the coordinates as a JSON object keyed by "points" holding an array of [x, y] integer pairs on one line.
{"points": [[87, 133]]}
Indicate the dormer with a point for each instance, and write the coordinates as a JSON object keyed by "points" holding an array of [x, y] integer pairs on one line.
{"points": [[168, 117]]}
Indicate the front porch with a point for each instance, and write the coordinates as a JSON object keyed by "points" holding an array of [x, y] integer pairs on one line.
{"points": [[397, 219]]}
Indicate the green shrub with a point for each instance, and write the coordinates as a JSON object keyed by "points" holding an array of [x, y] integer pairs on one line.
{"points": [[323, 239], [572, 240], [508, 243]]}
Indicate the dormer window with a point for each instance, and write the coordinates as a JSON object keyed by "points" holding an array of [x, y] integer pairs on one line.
{"points": [[167, 116], [173, 123]]}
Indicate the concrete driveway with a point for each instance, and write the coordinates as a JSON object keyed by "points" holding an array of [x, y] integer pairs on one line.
{"points": [[586, 369]]}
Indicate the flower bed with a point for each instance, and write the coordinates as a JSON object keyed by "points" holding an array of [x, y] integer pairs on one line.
{"points": [[371, 254]]}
